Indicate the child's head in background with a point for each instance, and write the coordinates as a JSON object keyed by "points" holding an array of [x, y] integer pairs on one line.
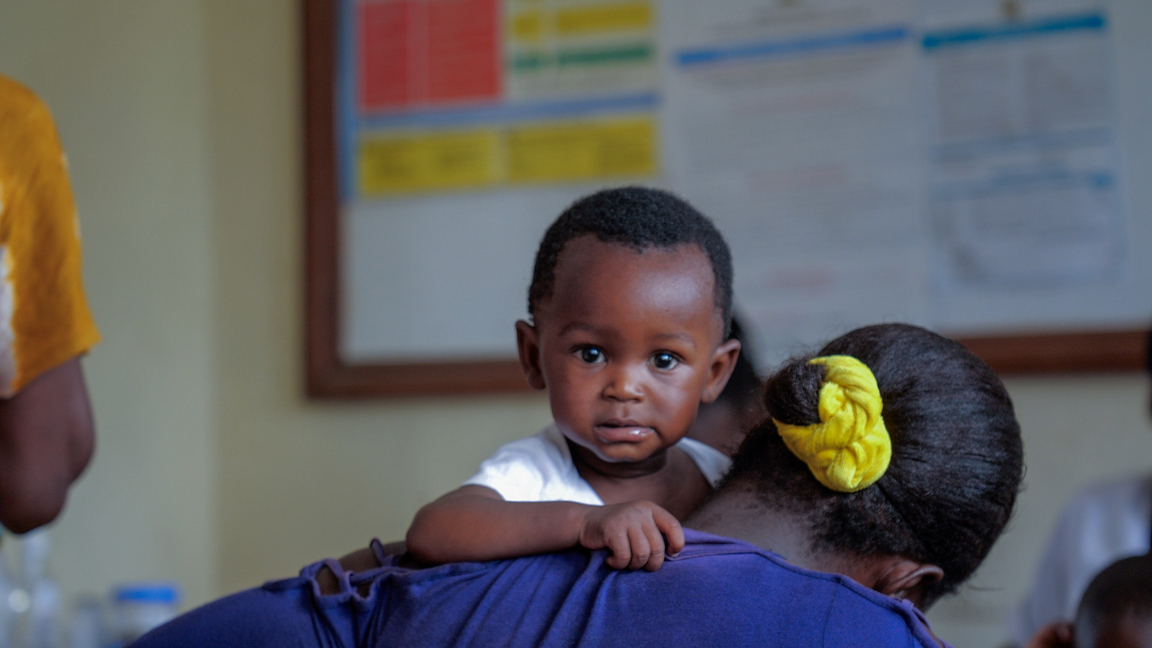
{"points": [[1148, 362], [631, 302], [1116, 610]]}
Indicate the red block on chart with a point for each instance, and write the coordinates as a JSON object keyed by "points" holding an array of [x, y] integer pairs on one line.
{"points": [[463, 50], [422, 52], [384, 59]]}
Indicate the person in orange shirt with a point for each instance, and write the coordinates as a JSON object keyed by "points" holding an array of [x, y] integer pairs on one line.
{"points": [[46, 428]]}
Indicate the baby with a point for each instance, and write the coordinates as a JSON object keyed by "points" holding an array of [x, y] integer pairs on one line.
{"points": [[1115, 611], [630, 306]]}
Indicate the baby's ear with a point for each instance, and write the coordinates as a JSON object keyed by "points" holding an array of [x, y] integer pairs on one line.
{"points": [[528, 344], [723, 362]]}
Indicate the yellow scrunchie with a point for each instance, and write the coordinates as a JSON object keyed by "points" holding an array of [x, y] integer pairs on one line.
{"points": [[849, 449]]}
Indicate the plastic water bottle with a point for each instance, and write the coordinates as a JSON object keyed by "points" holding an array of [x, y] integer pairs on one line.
{"points": [[87, 628], [43, 594], [8, 586], [143, 606]]}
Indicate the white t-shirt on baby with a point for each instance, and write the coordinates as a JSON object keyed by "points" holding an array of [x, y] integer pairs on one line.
{"points": [[540, 469]]}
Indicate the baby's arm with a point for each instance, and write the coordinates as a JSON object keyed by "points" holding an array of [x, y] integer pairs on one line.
{"points": [[475, 523]]}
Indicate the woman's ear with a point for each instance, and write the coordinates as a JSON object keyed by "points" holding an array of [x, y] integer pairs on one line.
{"points": [[528, 344], [723, 362], [906, 579]]}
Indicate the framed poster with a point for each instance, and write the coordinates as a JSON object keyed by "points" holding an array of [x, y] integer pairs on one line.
{"points": [[937, 162]]}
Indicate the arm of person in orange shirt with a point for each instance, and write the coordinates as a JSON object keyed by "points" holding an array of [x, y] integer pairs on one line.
{"points": [[46, 440]]}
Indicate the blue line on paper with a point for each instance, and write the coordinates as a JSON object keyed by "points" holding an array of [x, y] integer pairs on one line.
{"points": [[804, 45], [1098, 136], [968, 36], [504, 113]]}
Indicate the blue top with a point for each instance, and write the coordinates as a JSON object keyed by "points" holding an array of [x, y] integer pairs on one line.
{"points": [[718, 591]]}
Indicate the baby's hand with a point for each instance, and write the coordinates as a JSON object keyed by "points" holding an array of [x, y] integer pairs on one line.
{"points": [[1057, 634], [632, 532]]}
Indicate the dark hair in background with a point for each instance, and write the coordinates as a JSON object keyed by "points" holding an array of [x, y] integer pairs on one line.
{"points": [[957, 455], [1123, 588], [1148, 352], [640, 218], [743, 385]]}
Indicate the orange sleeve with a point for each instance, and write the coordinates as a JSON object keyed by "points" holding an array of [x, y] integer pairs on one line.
{"points": [[42, 290]]}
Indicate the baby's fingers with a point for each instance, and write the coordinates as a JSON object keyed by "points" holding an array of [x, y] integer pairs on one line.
{"points": [[641, 548], [656, 542], [670, 527], [621, 550]]}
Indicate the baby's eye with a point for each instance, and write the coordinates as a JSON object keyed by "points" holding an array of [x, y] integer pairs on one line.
{"points": [[664, 361], [591, 355]]}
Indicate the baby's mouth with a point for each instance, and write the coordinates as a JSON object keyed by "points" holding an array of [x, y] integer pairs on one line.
{"points": [[613, 431]]}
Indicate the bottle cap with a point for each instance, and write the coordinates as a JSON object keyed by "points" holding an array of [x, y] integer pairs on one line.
{"points": [[147, 592]]}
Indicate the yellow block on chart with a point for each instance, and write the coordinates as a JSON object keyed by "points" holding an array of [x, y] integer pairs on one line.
{"points": [[422, 162], [567, 151], [615, 16], [527, 26]]}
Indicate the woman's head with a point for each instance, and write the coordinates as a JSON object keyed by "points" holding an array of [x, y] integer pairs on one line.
{"points": [[956, 454]]}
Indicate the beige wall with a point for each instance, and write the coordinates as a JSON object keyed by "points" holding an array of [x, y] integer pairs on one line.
{"points": [[126, 81], [182, 122]]}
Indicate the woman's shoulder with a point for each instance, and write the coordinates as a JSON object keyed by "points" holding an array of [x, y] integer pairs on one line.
{"points": [[853, 613]]}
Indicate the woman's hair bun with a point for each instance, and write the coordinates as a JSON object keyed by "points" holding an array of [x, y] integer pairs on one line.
{"points": [[792, 394], [848, 448]]}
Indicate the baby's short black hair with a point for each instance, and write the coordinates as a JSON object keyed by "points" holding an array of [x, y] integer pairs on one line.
{"points": [[957, 455], [641, 218], [1123, 589]]}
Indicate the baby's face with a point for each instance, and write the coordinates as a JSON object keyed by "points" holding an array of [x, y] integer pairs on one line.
{"points": [[1124, 631], [627, 346]]}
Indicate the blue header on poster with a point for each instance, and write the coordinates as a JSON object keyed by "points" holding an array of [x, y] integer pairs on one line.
{"points": [[804, 45], [972, 35]]}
